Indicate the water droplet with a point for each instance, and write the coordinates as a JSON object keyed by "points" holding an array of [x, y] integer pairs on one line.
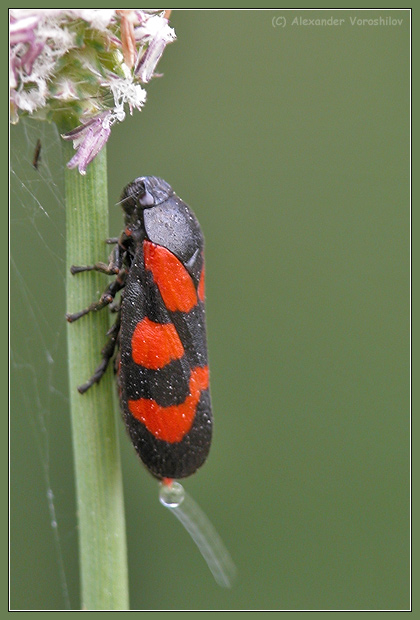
{"points": [[171, 495]]}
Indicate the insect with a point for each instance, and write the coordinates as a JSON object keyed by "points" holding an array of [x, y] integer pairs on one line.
{"points": [[159, 331], [37, 154]]}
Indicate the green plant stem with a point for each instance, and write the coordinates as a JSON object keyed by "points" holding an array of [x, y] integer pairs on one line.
{"points": [[102, 544]]}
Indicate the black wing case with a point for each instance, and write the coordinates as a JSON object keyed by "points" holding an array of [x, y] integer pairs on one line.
{"points": [[163, 372]]}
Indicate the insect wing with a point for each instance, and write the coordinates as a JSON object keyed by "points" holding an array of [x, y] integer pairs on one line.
{"points": [[163, 374]]}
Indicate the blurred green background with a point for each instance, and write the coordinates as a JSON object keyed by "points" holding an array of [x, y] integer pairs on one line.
{"points": [[292, 146]]}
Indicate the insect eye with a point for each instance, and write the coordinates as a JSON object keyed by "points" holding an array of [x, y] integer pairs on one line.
{"points": [[144, 197], [139, 189], [136, 192], [135, 195]]}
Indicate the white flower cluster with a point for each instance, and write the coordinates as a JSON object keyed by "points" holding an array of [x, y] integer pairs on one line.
{"points": [[64, 64]]}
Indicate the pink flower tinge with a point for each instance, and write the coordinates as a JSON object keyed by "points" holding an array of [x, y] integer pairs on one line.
{"points": [[88, 139], [157, 34]]}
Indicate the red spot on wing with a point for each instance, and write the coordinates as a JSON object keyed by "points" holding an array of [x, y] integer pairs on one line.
{"points": [[201, 285], [171, 423], [173, 280], [153, 345]]}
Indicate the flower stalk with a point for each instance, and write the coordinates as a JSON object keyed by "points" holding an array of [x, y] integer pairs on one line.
{"points": [[102, 545]]}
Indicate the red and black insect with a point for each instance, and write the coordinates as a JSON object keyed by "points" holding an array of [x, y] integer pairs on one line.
{"points": [[161, 365]]}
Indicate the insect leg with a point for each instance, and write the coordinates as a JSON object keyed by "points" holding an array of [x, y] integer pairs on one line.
{"points": [[113, 267], [109, 270], [107, 354], [106, 298]]}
